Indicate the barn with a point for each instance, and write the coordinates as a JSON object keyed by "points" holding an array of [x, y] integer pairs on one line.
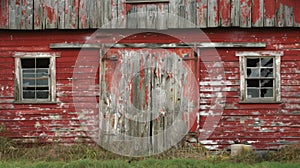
{"points": [[142, 74]]}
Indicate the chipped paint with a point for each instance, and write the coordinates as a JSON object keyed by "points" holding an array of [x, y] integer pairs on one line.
{"points": [[75, 14]]}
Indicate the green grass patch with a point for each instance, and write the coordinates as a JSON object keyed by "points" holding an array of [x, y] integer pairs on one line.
{"points": [[155, 163]]}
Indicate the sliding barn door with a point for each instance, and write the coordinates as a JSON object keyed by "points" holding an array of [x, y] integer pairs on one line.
{"points": [[148, 98]]}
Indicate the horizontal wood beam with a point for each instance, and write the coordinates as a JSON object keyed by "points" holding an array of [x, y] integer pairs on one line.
{"points": [[147, 1], [157, 45]]}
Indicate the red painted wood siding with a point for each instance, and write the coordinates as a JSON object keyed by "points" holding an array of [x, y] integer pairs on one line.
{"points": [[266, 126], [84, 14]]}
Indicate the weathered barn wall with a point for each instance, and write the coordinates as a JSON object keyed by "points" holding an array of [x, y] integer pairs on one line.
{"points": [[265, 125], [84, 14]]}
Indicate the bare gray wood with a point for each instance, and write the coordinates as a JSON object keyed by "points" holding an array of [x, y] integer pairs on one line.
{"points": [[38, 13], [245, 13], [51, 13], [202, 13], [14, 15], [71, 14], [213, 13], [151, 17], [61, 14], [235, 12], [84, 7], [173, 20], [162, 17], [26, 14]]}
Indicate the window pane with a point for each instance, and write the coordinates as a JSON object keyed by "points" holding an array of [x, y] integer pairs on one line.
{"points": [[42, 73], [29, 88], [29, 94], [267, 62], [28, 71], [266, 83], [252, 62], [252, 93], [28, 82], [28, 75], [28, 63], [42, 62], [42, 88], [266, 93], [253, 72], [266, 72], [42, 82], [42, 95], [252, 83]]}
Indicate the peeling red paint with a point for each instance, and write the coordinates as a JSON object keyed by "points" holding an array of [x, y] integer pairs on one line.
{"points": [[224, 8], [256, 12], [269, 7], [291, 3], [4, 14], [51, 14]]}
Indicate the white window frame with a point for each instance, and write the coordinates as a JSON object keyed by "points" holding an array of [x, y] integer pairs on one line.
{"points": [[18, 76], [243, 74]]}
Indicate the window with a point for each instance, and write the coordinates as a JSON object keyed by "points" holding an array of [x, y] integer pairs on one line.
{"points": [[35, 77], [260, 76]]}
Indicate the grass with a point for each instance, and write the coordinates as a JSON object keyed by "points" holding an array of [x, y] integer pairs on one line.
{"points": [[155, 163], [82, 155]]}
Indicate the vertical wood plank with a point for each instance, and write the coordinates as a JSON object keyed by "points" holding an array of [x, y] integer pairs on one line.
{"points": [[14, 14], [106, 13], [284, 13], [27, 14], [202, 13], [213, 13], [131, 21], [114, 14], [289, 15], [192, 13], [71, 14], [235, 12], [182, 14], [142, 15], [51, 14], [38, 14], [151, 17], [122, 14], [95, 20], [224, 9], [84, 7], [162, 17], [61, 14], [173, 19], [3, 14], [245, 13], [269, 13], [257, 13], [296, 14]]}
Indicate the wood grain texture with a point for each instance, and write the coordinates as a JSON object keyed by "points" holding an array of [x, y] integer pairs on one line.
{"points": [[115, 14], [4, 14], [257, 13]]}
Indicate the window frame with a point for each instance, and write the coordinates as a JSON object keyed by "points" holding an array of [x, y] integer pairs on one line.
{"points": [[18, 76], [276, 55]]}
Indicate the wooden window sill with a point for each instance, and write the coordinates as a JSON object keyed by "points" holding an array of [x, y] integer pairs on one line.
{"points": [[260, 102], [34, 102]]}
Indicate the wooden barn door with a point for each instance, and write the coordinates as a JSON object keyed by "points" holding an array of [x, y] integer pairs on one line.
{"points": [[143, 91]]}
